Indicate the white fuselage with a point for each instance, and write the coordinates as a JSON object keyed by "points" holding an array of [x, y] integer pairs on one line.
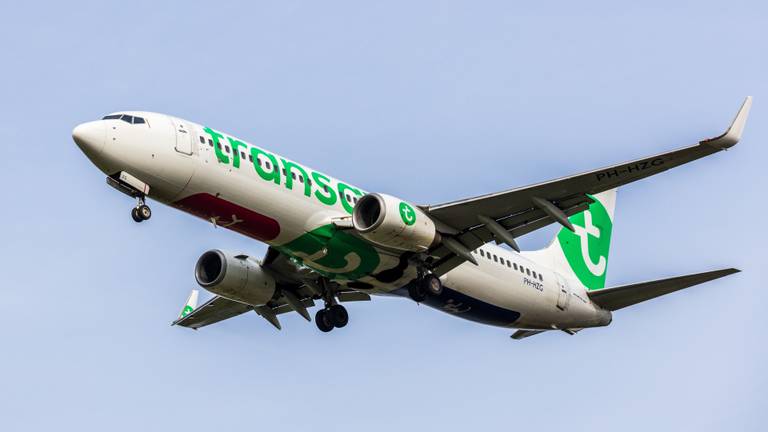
{"points": [[288, 205]]}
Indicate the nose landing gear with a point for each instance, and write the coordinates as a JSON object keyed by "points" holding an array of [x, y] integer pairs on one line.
{"points": [[142, 211]]}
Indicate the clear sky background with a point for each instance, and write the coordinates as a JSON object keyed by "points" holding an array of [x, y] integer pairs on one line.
{"points": [[429, 101]]}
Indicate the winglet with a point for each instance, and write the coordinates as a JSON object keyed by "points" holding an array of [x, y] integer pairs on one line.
{"points": [[733, 134], [190, 305]]}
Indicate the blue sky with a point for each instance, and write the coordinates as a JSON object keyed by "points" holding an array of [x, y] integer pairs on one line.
{"points": [[429, 101]]}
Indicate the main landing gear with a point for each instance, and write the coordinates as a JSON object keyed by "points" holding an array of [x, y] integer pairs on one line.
{"points": [[141, 212], [333, 315], [425, 286]]}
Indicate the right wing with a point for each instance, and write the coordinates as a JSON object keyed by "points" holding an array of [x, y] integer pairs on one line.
{"points": [[214, 310], [620, 297], [516, 212], [296, 289]]}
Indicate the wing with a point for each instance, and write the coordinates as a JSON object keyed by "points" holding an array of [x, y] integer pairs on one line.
{"points": [[516, 212], [214, 310], [297, 292]]}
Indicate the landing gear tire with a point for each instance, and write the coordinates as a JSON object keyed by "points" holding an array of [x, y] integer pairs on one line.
{"points": [[144, 212], [417, 292], [338, 316], [135, 215], [431, 285], [323, 321]]}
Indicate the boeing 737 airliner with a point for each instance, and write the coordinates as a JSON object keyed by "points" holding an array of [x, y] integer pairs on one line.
{"points": [[333, 242]]}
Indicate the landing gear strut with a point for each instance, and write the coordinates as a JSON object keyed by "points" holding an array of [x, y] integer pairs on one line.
{"points": [[142, 211], [333, 315], [425, 286]]}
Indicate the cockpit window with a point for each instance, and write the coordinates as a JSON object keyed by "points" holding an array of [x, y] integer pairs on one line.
{"points": [[126, 118]]}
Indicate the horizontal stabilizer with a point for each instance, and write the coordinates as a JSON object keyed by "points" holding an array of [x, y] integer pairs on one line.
{"points": [[522, 334], [620, 297]]}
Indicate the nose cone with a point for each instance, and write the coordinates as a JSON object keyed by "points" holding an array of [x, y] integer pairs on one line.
{"points": [[90, 137]]}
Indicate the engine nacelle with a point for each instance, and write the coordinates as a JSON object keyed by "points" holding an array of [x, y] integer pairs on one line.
{"points": [[390, 222], [236, 277]]}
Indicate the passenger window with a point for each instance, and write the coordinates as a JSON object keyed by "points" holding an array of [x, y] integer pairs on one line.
{"points": [[515, 265], [309, 182], [534, 275], [528, 272], [226, 149], [495, 258], [541, 277], [267, 165], [301, 178], [325, 189], [250, 157], [202, 140], [138, 120], [293, 174], [509, 264], [522, 270], [210, 142]]}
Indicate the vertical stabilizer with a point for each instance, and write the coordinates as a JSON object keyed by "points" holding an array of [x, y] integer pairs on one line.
{"points": [[582, 254]]}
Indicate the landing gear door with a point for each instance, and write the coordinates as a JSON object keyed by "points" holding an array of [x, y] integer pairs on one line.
{"points": [[563, 293], [184, 136]]}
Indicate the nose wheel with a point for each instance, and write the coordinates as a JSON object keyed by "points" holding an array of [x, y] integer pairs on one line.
{"points": [[141, 212]]}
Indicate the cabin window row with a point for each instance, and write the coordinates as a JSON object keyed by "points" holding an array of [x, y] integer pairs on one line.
{"points": [[501, 260]]}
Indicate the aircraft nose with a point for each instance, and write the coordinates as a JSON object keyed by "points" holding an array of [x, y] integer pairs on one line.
{"points": [[90, 137]]}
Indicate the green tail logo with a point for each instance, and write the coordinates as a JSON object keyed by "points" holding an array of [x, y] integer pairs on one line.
{"points": [[586, 249]]}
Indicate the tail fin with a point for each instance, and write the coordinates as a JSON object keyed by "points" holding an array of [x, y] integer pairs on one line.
{"points": [[582, 254]]}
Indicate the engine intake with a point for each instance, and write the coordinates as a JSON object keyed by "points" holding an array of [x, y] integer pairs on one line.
{"points": [[391, 222], [236, 277]]}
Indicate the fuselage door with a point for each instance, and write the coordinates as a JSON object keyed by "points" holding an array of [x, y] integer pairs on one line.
{"points": [[563, 293], [184, 138]]}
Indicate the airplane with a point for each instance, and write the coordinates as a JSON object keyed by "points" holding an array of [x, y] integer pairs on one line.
{"points": [[333, 242]]}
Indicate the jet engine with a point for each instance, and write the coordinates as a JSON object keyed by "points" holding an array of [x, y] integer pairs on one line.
{"points": [[391, 222], [236, 277]]}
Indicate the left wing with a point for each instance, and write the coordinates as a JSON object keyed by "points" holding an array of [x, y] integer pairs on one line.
{"points": [[504, 215]]}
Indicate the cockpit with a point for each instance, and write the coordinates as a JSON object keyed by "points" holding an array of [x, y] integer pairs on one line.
{"points": [[130, 119]]}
